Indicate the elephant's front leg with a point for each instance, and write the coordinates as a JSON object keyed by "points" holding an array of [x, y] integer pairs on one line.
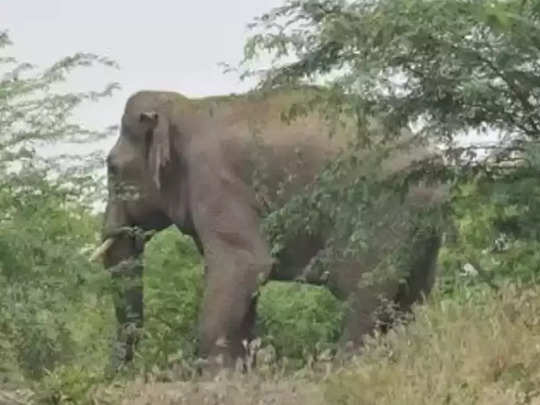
{"points": [[124, 261], [237, 259], [229, 305]]}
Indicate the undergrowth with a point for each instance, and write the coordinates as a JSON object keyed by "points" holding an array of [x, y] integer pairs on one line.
{"points": [[465, 349]]}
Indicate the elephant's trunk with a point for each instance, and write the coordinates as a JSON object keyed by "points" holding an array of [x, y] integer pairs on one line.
{"points": [[122, 255]]}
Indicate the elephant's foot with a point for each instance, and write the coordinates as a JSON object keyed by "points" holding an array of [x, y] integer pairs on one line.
{"points": [[124, 347], [227, 326], [224, 358], [360, 326]]}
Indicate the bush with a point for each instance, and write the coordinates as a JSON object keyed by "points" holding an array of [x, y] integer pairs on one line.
{"points": [[44, 275], [495, 237], [173, 282], [298, 320]]}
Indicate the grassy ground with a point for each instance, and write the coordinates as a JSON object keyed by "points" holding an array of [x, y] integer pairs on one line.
{"points": [[480, 347], [473, 349], [476, 348]]}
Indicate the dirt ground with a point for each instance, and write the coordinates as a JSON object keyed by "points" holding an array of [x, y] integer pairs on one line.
{"points": [[227, 391]]}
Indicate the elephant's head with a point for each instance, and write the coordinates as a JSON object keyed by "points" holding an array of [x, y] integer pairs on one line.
{"points": [[140, 167], [147, 191]]}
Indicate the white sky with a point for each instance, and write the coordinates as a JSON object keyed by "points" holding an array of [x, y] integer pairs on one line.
{"points": [[159, 44]]}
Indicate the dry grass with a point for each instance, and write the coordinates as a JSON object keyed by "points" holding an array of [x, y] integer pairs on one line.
{"points": [[229, 391], [478, 349], [482, 349]]}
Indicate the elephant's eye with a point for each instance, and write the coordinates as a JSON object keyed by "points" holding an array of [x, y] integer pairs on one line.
{"points": [[112, 168]]}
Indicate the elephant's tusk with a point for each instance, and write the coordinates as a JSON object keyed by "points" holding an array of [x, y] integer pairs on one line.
{"points": [[102, 249]]}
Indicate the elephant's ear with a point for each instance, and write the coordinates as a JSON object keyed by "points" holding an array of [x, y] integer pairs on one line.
{"points": [[158, 147]]}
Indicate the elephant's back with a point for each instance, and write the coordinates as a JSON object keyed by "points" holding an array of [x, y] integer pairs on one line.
{"points": [[277, 160], [275, 157]]}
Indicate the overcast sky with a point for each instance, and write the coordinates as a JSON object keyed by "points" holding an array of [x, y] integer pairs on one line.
{"points": [[159, 44]]}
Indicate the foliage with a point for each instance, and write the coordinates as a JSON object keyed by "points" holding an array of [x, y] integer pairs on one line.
{"points": [[49, 290], [455, 65], [496, 236], [173, 285], [297, 320], [45, 276], [34, 112]]}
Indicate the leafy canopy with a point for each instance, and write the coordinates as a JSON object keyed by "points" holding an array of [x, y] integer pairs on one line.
{"points": [[448, 67], [35, 113]]}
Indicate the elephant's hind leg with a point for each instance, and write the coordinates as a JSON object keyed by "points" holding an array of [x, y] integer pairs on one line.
{"points": [[379, 305], [366, 310], [421, 265]]}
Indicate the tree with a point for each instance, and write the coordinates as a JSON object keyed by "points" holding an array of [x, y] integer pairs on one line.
{"points": [[44, 228], [454, 72], [33, 112], [451, 66]]}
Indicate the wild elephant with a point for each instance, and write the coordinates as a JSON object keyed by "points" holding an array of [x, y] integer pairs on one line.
{"points": [[191, 163]]}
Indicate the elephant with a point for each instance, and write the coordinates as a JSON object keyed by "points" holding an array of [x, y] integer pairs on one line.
{"points": [[191, 163]]}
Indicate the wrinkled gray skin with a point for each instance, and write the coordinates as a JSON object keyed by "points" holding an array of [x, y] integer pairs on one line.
{"points": [[191, 164]]}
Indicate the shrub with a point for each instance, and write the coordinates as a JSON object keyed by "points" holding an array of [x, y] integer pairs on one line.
{"points": [[298, 320]]}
